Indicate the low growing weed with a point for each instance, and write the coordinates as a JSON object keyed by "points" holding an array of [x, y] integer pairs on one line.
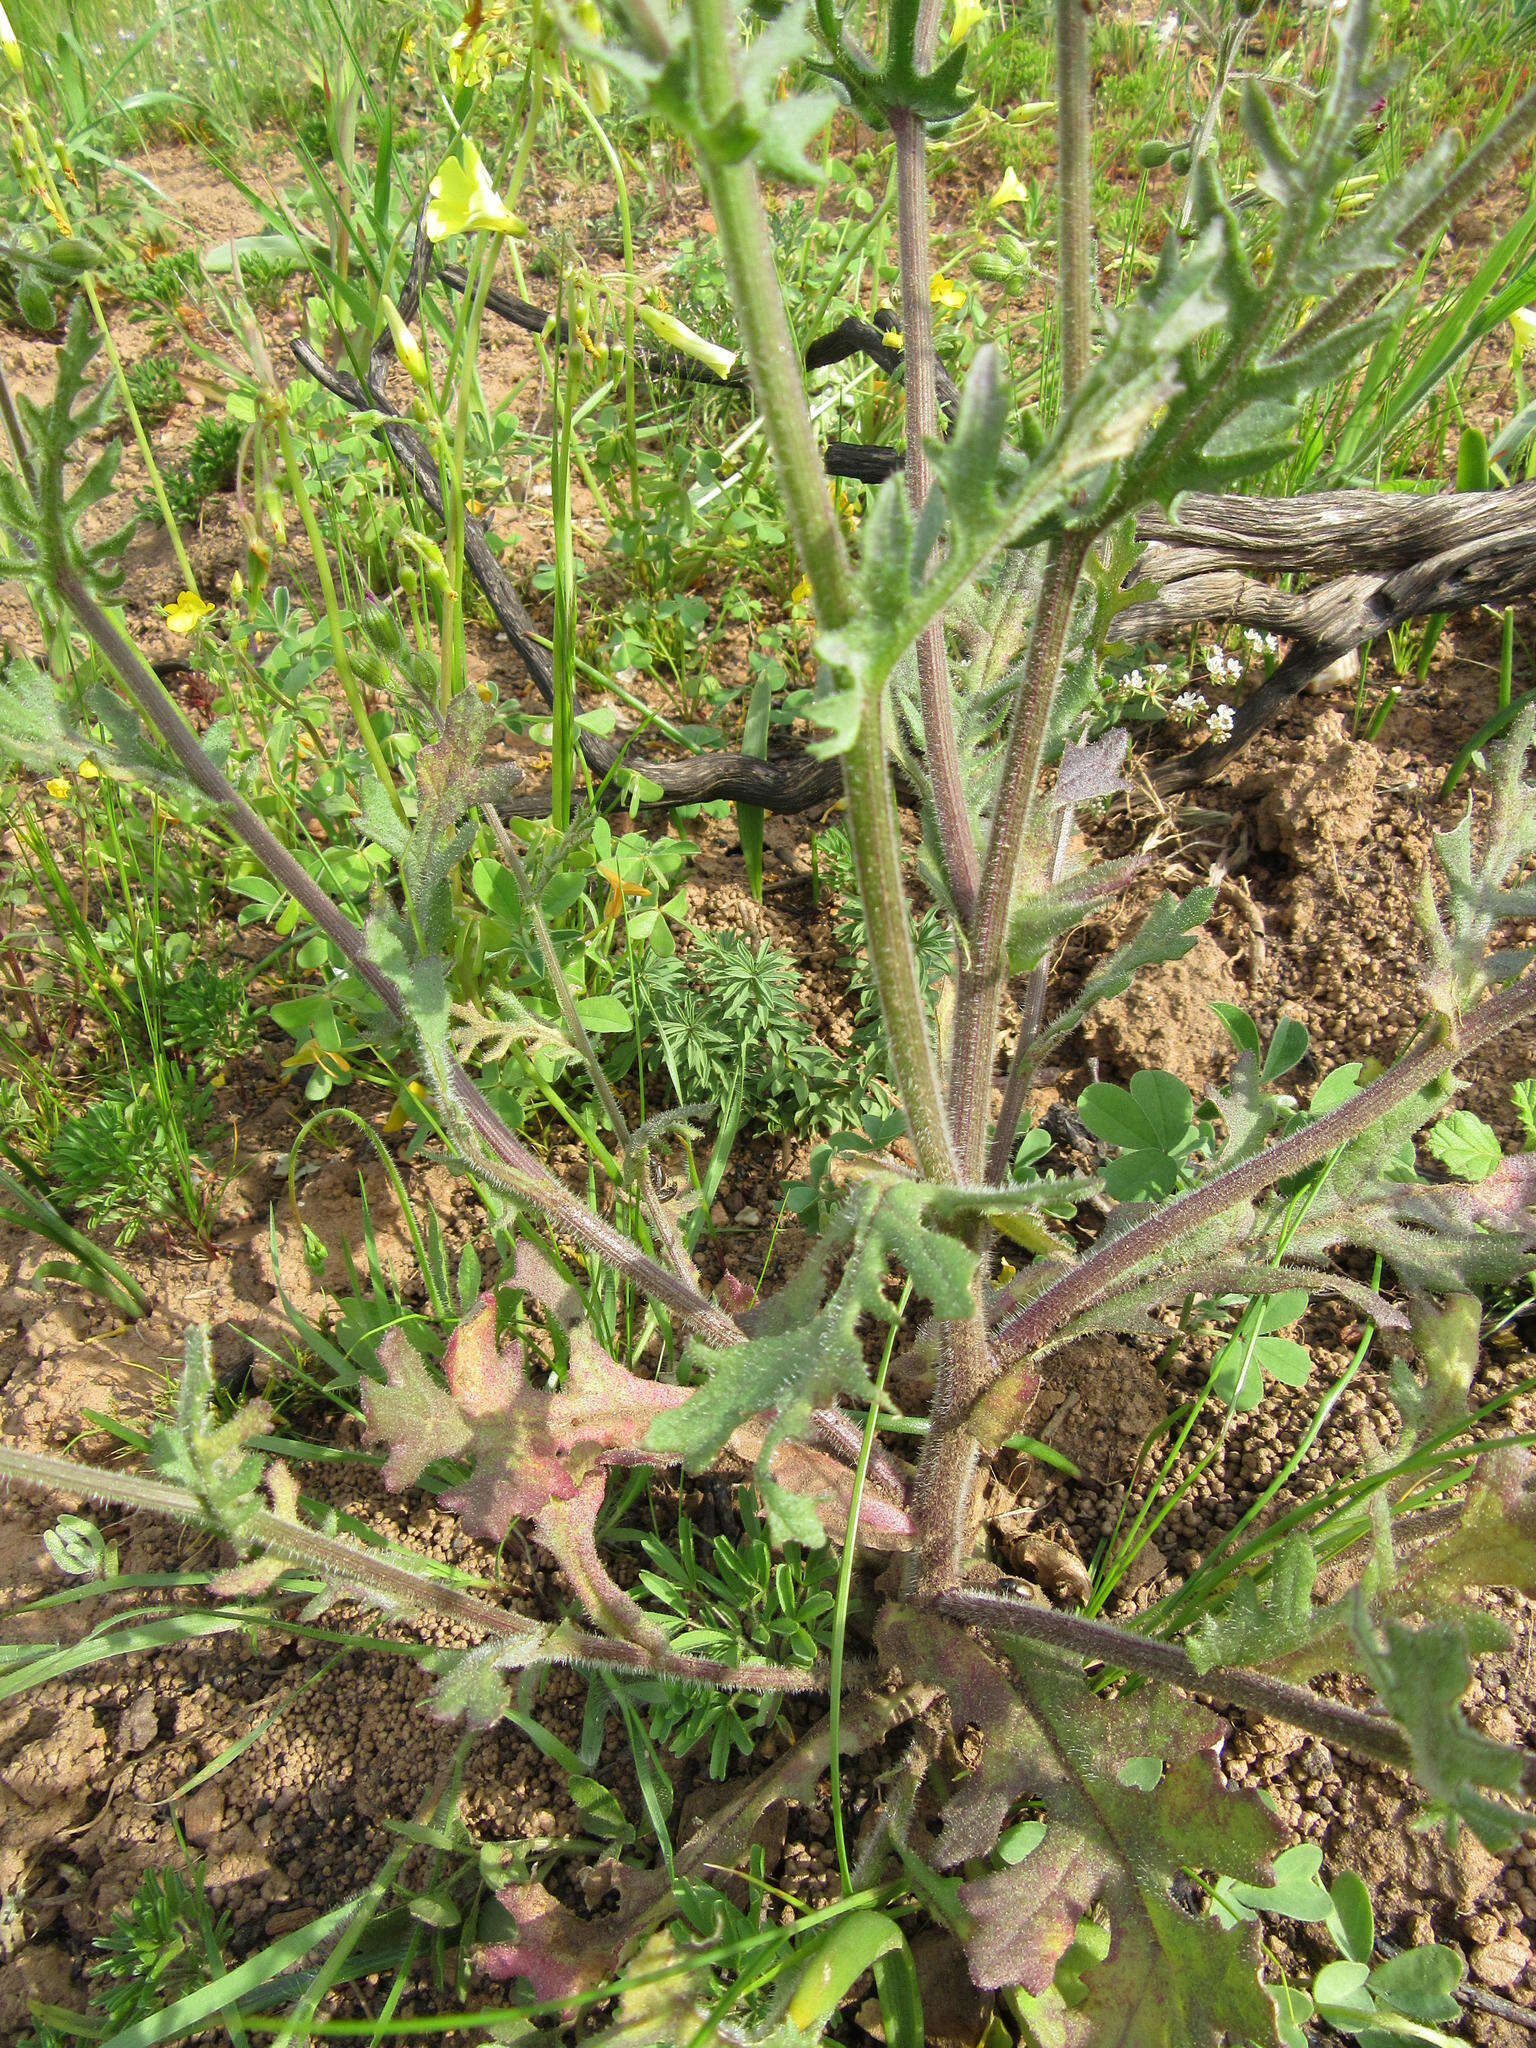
{"points": [[1052, 1794]]}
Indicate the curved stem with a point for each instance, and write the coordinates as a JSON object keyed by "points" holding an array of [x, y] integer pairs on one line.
{"points": [[1155, 1236], [1120, 1649]]}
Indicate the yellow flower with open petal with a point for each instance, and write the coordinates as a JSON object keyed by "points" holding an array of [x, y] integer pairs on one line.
{"points": [[1522, 325], [186, 614], [801, 594], [10, 48], [461, 200], [1009, 192], [87, 770], [943, 292], [618, 889], [57, 788], [967, 14]]}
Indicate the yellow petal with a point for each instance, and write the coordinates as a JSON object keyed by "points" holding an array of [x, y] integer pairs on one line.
{"points": [[57, 788], [1009, 191], [87, 770], [461, 200], [944, 293], [801, 594], [668, 328], [967, 14], [10, 49], [186, 614]]}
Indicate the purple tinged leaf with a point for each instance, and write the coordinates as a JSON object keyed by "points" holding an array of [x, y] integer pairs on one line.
{"points": [[560, 1954], [531, 1448], [555, 1951], [1504, 1199], [1171, 1978], [1093, 771], [411, 1413]]}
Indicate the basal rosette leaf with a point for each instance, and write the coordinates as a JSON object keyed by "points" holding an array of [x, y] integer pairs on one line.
{"points": [[1132, 1796], [526, 1447]]}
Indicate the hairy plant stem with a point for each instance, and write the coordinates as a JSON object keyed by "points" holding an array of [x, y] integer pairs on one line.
{"points": [[339, 1560], [981, 981], [774, 364], [1016, 1088], [940, 753], [1120, 1649], [529, 1178], [1088, 1281], [946, 1474], [948, 1466], [1074, 100]]}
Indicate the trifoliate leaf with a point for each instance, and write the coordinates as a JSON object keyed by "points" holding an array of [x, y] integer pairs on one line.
{"points": [[1464, 1145]]}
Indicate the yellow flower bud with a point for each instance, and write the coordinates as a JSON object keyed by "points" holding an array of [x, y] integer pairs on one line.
{"points": [[407, 348]]}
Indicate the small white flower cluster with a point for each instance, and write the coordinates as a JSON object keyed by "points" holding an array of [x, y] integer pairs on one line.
{"points": [[1261, 643], [1167, 29], [1189, 702], [1221, 721], [1222, 667], [1135, 680]]}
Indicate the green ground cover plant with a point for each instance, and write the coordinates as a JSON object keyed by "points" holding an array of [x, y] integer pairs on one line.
{"points": [[1052, 1792]]}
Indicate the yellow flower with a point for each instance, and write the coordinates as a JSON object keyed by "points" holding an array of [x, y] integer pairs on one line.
{"points": [[943, 293], [1009, 192], [461, 199], [9, 47], [801, 594], [87, 770], [57, 788], [186, 614], [618, 889], [1522, 326], [892, 342], [967, 14], [401, 1114]]}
